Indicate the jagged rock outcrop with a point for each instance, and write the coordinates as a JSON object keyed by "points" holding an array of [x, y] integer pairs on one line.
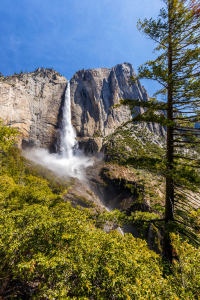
{"points": [[32, 102], [90, 146], [95, 91]]}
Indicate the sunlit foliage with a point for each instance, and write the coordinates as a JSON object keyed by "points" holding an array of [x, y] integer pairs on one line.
{"points": [[59, 252]]}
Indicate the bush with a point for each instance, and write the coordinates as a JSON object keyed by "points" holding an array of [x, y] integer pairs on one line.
{"points": [[71, 258]]}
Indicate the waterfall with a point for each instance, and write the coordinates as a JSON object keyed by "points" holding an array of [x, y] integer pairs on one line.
{"points": [[68, 136], [67, 162]]}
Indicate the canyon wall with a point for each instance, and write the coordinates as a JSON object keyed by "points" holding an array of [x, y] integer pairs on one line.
{"points": [[32, 102]]}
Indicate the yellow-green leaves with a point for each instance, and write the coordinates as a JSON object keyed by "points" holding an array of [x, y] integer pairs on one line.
{"points": [[58, 245], [186, 268], [8, 137]]}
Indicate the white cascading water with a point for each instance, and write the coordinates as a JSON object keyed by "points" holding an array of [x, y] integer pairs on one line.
{"points": [[67, 163], [68, 136]]}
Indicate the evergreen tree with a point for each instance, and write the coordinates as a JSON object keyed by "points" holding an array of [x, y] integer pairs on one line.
{"points": [[177, 69]]}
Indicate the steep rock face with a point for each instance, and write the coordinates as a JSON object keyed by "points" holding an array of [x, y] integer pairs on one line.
{"points": [[32, 103], [94, 91]]}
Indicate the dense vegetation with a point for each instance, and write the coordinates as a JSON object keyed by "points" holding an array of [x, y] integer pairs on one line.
{"points": [[50, 250]]}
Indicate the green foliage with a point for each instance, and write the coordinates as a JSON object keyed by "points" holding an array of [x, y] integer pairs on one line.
{"points": [[8, 136], [139, 219], [90, 193], [84, 201], [187, 176], [186, 268], [184, 39], [75, 259], [62, 253], [98, 133]]}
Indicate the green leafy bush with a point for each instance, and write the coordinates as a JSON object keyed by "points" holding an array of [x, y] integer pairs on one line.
{"points": [[61, 252], [71, 258]]}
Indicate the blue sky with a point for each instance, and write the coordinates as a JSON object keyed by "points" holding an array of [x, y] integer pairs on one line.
{"points": [[70, 35]]}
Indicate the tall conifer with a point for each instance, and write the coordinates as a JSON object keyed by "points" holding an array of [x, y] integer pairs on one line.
{"points": [[177, 69]]}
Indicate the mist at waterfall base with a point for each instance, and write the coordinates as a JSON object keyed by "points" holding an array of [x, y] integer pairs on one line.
{"points": [[70, 161], [61, 166]]}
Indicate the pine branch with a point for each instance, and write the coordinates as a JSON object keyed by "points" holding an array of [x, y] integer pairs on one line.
{"points": [[179, 188], [188, 76], [191, 129], [186, 142], [185, 134], [193, 166], [185, 102], [184, 224], [187, 44], [183, 112], [186, 118], [183, 157], [149, 221], [180, 207]]}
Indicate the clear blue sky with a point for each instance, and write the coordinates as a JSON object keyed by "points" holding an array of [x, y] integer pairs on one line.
{"points": [[70, 35]]}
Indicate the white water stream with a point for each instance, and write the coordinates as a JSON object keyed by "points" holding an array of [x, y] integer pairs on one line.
{"points": [[68, 135], [69, 162]]}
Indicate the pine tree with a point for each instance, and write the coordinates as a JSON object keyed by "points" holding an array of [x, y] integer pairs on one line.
{"points": [[177, 69]]}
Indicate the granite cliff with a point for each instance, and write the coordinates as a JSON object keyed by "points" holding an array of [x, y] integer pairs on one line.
{"points": [[33, 103], [95, 91]]}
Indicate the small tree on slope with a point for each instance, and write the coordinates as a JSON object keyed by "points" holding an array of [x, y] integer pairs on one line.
{"points": [[177, 69]]}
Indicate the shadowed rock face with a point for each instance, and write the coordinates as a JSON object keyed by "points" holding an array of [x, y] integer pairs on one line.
{"points": [[94, 91], [32, 103]]}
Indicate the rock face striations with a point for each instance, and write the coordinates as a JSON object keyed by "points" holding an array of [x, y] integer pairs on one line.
{"points": [[95, 91], [32, 103]]}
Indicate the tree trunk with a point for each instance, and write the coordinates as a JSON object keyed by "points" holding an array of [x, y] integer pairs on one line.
{"points": [[169, 200]]}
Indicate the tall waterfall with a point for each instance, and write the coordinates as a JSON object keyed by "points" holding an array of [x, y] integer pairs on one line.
{"points": [[66, 163], [68, 136]]}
